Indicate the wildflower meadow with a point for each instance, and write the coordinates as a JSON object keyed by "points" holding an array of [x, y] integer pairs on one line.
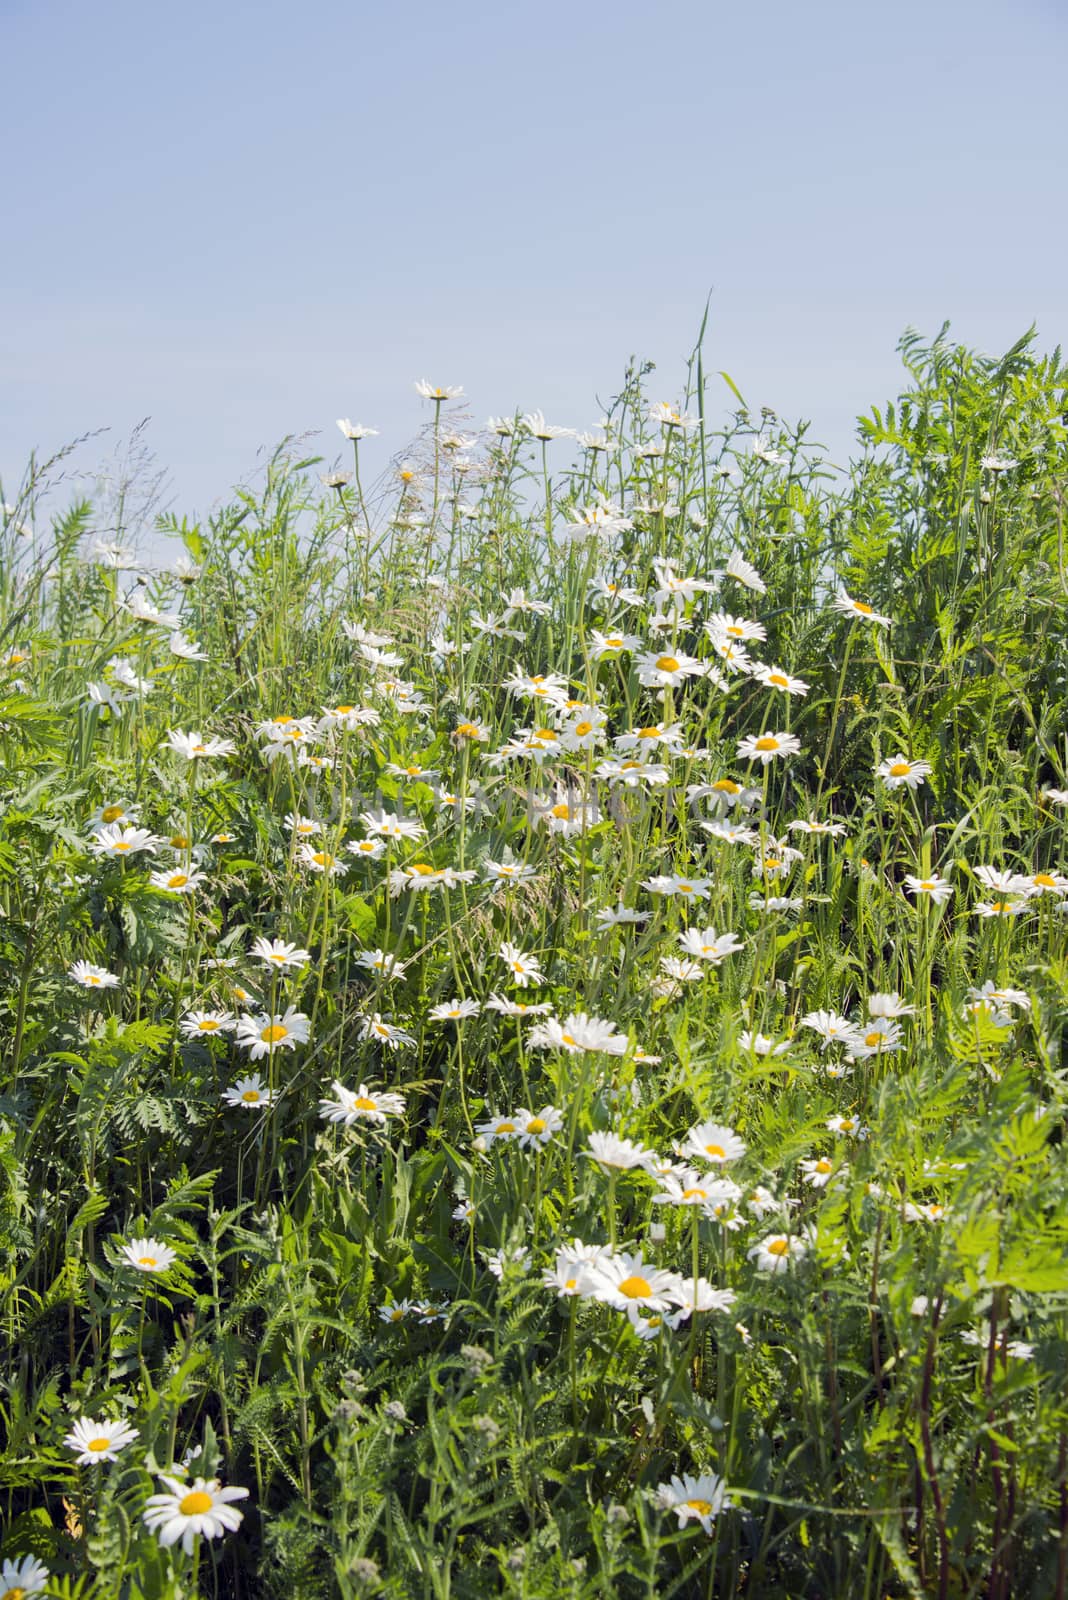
{"points": [[533, 1009]]}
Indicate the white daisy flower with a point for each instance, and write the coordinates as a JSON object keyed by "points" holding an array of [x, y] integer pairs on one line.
{"points": [[149, 1255], [187, 1510], [360, 1105], [249, 1094], [93, 1442], [694, 1499], [263, 1034]]}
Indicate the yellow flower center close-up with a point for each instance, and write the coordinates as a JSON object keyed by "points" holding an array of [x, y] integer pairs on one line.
{"points": [[648, 733], [823, 1165], [195, 1503], [177, 880], [96, 1445], [274, 1032], [504, 1127], [779, 679], [251, 1096], [778, 1247], [727, 786], [900, 769], [146, 1261], [208, 1025], [536, 1125], [582, 729], [716, 1150], [421, 869], [567, 1039], [122, 844], [872, 1040], [695, 1194], [364, 1102], [702, 1507], [635, 1288], [860, 606], [666, 664], [1043, 880], [562, 811], [767, 743], [111, 813]]}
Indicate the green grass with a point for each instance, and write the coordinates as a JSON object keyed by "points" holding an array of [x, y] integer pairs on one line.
{"points": [[887, 1414]]}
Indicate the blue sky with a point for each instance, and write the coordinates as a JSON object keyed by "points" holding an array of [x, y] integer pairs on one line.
{"points": [[247, 220]]}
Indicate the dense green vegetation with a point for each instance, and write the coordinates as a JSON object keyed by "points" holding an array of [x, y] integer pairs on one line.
{"points": [[733, 1265]]}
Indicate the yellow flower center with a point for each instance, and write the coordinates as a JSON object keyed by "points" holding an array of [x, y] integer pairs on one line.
{"points": [[666, 664], [872, 1040], [767, 743], [823, 1165], [13, 1594], [364, 1102], [111, 813], [685, 888], [562, 811], [536, 1125], [615, 643], [322, 858], [566, 1038], [251, 1096], [406, 475], [635, 1288], [1044, 880], [702, 1507], [92, 980], [860, 606], [648, 733], [280, 722], [273, 1032], [735, 632], [582, 729], [396, 1315], [122, 844], [208, 1025], [900, 769], [343, 711], [97, 1445], [195, 1504], [146, 1261], [695, 1194], [1001, 905], [504, 1127], [771, 863], [778, 1247], [421, 870], [467, 730], [177, 880], [716, 1150], [927, 883], [727, 786], [570, 1283], [847, 1124]]}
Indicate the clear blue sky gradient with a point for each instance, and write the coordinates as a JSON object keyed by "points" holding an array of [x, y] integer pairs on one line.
{"points": [[247, 220]]}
